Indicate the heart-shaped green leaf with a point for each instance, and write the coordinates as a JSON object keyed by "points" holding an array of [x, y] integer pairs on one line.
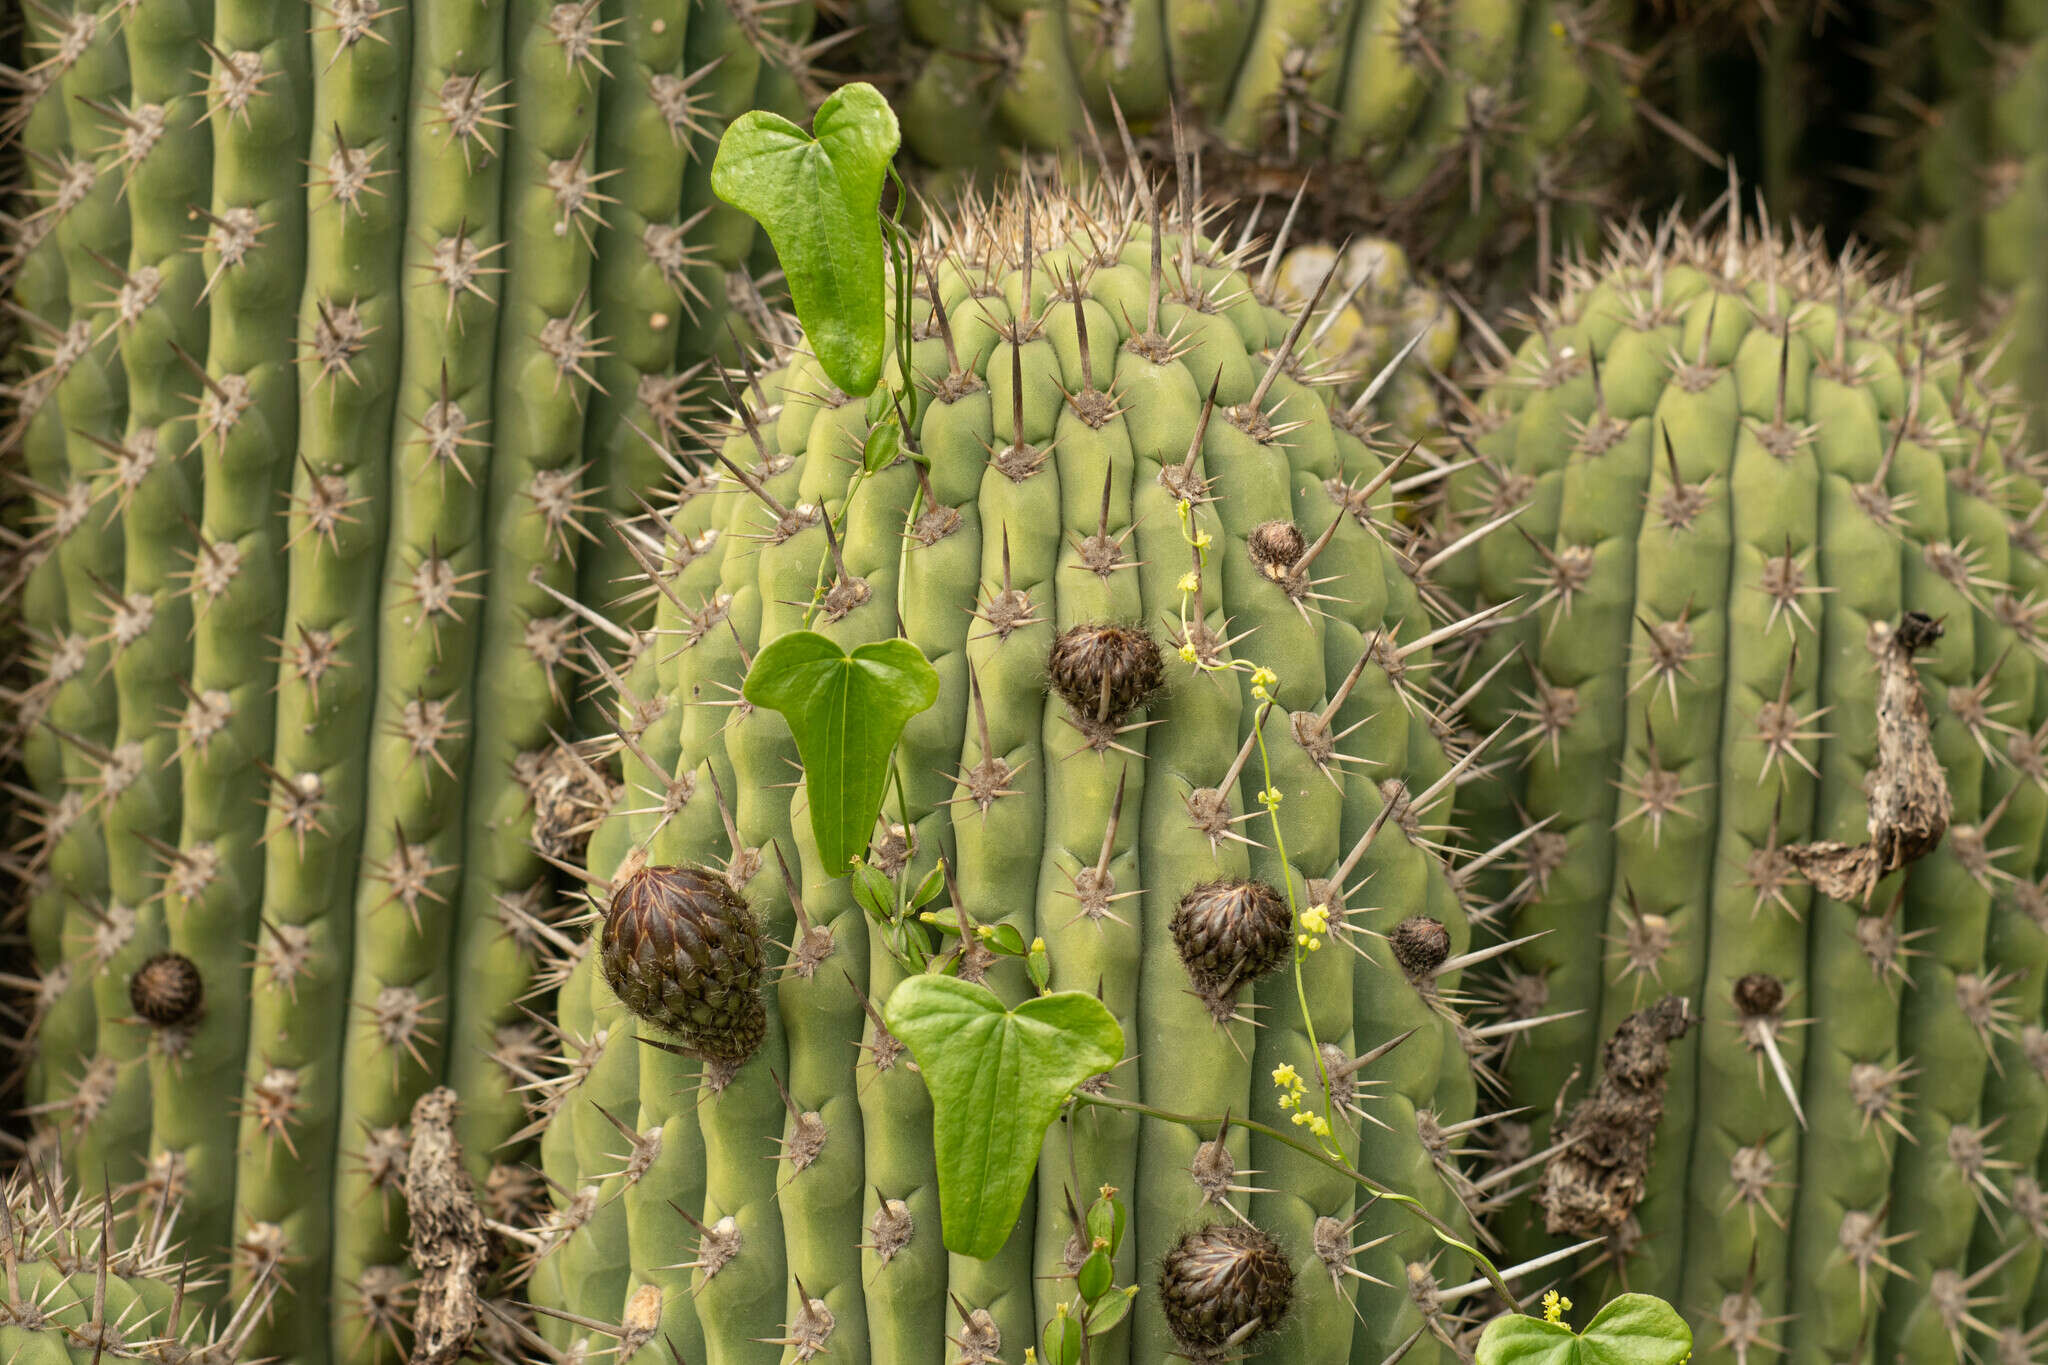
{"points": [[847, 712], [997, 1078], [1635, 1329], [819, 194]]}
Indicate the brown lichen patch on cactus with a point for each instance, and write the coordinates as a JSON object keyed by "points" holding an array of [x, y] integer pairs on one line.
{"points": [[167, 990], [1229, 934], [447, 1241], [1221, 1286], [1907, 792], [1591, 1187]]}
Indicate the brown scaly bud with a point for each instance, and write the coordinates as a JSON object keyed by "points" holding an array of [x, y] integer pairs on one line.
{"points": [[167, 990], [1231, 933], [1421, 945], [1759, 994], [1103, 672], [1275, 546], [683, 952], [1221, 1286]]}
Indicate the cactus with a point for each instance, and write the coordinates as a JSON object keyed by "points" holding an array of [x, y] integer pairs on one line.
{"points": [[1963, 99], [1099, 737], [1474, 130], [90, 1279], [343, 331], [1777, 683]]}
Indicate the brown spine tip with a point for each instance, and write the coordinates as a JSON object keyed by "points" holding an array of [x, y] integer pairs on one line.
{"points": [[1231, 933], [1104, 671], [1221, 1286], [1421, 945], [167, 990], [682, 951]]}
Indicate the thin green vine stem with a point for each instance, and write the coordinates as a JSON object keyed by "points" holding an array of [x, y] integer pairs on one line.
{"points": [[1443, 1230]]}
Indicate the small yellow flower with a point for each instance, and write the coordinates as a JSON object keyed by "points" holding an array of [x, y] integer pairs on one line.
{"points": [[1314, 944], [1187, 654], [1190, 582], [1270, 797], [1555, 1306], [1037, 945], [1285, 1076], [1303, 1120], [1264, 677], [1316, 919], [1319, 1125]]}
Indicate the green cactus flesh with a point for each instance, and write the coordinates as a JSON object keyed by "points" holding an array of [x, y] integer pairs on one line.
{"points": [[1741, 464], [104, 1278], [1061, 408], [345, 329], [1465, 125], [1965, 92]]}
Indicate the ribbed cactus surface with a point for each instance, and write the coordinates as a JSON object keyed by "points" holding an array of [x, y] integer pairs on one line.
{"points": [[102, 1278], [345, 328], [1779, 580], [1092, 402], [1467, 127], [1964, 97]]}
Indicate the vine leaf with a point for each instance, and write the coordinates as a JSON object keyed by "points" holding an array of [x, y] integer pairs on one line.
{"points": [[997, 1079], [1635, 1329], [819, 196], [847, 712]]}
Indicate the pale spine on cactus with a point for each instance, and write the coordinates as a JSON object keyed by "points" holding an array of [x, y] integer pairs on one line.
{"points": [[105, 1277], [1743, 463], [296, 446], [1060, 435]]}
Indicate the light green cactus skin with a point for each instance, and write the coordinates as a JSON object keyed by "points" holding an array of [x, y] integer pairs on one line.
{"points": [[293, 601], [1710, 447], [1462, 115], [999, 781]]}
